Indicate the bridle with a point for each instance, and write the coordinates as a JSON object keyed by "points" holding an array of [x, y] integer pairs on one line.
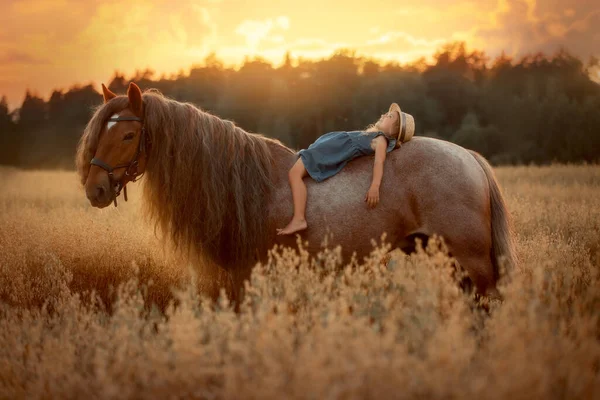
{"points": [[132, 166]]}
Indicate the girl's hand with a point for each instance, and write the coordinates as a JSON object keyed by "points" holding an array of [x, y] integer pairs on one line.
{"points": [[372, 197]]}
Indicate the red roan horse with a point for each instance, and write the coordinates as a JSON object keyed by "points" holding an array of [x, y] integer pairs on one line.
{"points": [[220, 192]]}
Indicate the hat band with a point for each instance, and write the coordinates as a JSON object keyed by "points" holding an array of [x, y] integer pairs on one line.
{"points": [[403, 129]]}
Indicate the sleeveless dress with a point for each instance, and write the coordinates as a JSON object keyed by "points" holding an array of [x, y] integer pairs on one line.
{"points": [[332, 151]]}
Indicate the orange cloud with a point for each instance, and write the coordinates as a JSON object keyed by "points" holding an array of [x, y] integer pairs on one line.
{"points": [[17, 57], [524, 26], [47, 44], [256, 31]]}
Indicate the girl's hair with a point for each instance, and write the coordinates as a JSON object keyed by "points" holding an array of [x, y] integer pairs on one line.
{"points": [[374, 127]]}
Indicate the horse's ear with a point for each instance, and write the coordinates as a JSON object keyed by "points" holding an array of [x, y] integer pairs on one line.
{"points": [[107, 94], [135, 99]]}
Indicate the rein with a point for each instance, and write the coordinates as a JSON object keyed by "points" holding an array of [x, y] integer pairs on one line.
{"points": [[132, 166]]}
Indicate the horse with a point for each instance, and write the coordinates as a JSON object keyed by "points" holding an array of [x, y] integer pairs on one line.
{"points": [[220, 192]]}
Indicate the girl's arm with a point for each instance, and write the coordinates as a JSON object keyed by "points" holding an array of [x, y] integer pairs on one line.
{"points": [[372, 197]]}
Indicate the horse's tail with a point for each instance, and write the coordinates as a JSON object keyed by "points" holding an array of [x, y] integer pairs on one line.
{"points": [[503, 247]]}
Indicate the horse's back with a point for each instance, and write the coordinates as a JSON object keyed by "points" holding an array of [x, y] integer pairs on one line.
{"points": [[425, 173], [428, 186]]}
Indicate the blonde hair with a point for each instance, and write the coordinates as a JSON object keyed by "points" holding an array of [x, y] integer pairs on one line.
{"points": [[374, 127]]}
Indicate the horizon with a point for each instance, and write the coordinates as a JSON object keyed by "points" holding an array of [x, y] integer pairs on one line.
{"points": [[57, 45], [594, 74]]}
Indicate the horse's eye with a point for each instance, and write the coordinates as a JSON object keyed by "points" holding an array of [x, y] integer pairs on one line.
{"points": [[129, 136]]}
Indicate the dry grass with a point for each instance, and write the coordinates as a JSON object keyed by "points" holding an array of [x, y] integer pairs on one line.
{"points": [[78, 317]]}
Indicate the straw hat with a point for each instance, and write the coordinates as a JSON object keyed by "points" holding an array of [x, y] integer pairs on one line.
{"points": [[406, 127]]}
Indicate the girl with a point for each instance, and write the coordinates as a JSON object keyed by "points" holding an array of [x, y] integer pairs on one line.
{"points": [[332, 151]]}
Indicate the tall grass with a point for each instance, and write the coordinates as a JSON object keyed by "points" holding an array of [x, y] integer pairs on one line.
{"points": [[91, 305]]}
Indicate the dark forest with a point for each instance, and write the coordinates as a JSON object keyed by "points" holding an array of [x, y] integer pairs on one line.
{"points": [[536, 109]]}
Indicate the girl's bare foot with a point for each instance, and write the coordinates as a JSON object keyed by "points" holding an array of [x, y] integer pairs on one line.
{"points": [[293, 226]]}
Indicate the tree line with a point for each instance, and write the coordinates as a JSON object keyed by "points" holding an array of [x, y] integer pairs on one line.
{"points": [[537, 109]]}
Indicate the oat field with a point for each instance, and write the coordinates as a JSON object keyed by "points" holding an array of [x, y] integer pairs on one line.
{"points": [[92, 305]]}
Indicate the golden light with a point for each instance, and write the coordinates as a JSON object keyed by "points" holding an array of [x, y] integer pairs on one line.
{"points": [[48, 44]]}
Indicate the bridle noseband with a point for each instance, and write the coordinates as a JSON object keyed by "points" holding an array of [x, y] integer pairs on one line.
{"points": [[132, 166]]}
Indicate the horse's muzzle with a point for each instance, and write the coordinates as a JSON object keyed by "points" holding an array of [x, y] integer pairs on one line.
{"points": [[100, 195]]}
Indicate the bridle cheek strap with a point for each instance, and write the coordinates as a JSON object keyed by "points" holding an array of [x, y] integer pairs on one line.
{"points": [[132, 166]]}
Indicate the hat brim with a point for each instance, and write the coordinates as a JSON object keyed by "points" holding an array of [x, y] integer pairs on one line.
{"points": [[405, 126]]}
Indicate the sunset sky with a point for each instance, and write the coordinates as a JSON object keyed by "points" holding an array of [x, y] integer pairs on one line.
{"points": [[48, 44]]}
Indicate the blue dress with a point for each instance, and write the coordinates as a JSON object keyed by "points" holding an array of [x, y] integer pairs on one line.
{"points": [[332, 151]]}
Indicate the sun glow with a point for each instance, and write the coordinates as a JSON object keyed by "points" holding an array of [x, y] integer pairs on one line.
{"points": [[48, 44]]}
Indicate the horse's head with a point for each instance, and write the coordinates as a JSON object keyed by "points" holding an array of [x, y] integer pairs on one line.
{"points": [[121, 152]]}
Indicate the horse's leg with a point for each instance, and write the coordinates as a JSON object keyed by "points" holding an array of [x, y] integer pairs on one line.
{"points": [[408, 244], [213, 278], [479, 267], [469, 242], [471, 245]]}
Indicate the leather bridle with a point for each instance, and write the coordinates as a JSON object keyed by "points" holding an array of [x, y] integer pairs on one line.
{"points": [[131, 167]]}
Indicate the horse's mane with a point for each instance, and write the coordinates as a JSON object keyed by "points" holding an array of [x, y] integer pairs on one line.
{"points": [[207, 181]]}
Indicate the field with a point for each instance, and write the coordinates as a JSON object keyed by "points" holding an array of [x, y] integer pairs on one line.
{"points": [[93, 305]]}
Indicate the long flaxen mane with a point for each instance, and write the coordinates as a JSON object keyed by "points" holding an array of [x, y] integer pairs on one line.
{"points": [[207, 181]]}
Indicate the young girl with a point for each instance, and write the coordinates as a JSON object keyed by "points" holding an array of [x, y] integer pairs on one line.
{"points": [[332, 151]]}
